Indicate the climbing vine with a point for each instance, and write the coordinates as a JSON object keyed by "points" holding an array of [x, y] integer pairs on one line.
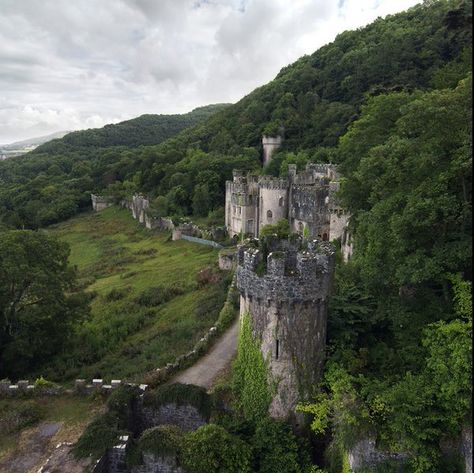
{"points": [[251, 375]]}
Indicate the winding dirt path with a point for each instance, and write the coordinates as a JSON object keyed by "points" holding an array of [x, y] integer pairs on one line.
{"points": [[206, 370]]}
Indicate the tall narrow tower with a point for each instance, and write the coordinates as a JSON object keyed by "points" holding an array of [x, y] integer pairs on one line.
{"points": [[270, 145], [287, 304]]}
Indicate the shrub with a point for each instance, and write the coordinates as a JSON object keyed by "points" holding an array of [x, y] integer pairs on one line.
{"points": [[117, 294], [211, 449], [163, 440], [14, 418], [275, 447], [99, 435], [157, 295], [44, 383], [207, 276], [120, 401]]}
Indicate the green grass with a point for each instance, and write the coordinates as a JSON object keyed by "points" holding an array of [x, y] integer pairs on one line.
{"points": [[118, 260]]}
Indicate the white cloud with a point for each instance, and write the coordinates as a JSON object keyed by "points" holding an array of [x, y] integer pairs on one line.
{"points": [[70, 65]]}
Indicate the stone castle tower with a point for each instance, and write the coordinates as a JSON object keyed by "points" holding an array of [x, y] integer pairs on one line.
{"points": [[287, 304], [270, 145]]}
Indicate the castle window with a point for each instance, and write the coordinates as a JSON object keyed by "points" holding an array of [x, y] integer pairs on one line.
{"points": [[240, 210], [280, 202], [277, 349], [249, 226], [250, 199], [325, 237], [269, 214]]}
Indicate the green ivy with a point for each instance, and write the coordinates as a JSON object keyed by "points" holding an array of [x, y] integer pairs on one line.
{"points": [[251, 375]]}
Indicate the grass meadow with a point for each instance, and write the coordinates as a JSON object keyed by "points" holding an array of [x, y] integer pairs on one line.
{"points": [[148, 304]]}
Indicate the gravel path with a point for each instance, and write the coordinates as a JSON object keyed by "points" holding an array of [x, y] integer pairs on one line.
{"points": [[207, 369]]}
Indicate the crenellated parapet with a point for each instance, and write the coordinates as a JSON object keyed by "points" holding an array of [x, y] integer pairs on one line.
{"points": [[272, 183], [286, 275]]}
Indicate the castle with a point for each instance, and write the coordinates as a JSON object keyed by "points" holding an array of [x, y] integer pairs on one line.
{"points": [[306, 199], [285, 285], [287, 304]]}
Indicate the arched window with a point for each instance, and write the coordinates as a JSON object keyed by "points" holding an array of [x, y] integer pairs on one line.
{"points": [[325, 237], [280, 202], [269, 214]]}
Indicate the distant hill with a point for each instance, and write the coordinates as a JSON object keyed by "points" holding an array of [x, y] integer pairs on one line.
{"points": [[24, 146], [186, 159], [144, 130]]}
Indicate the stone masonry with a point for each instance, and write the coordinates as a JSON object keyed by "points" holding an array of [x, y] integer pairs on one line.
{"points": [[287, 302], [308, 200]]}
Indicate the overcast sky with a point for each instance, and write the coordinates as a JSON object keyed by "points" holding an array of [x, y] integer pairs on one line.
{"points": [[72, 64]]}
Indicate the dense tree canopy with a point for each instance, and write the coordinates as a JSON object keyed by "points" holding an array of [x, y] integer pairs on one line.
{"points": [[313, 101], [37, 309]]}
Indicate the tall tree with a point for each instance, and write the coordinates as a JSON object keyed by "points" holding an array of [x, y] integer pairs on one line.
{"points": [[37, 308]]}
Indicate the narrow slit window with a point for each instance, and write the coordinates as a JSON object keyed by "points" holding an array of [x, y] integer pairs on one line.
{"points": [[277, 349]]}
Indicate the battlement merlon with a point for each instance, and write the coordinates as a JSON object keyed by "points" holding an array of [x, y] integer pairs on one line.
{"points": [[307, 278]]}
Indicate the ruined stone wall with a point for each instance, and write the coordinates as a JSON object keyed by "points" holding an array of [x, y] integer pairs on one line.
{"points": [[288, 309], [185, 416], [99, 202], [139, 206], [153, 463], [364, 455]]}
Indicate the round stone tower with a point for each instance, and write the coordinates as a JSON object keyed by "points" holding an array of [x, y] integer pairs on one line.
{"points": [[273, 205], [270, 145], [287, 304]]}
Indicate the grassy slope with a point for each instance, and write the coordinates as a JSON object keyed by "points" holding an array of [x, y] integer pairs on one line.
{"points": [[114, 253]]}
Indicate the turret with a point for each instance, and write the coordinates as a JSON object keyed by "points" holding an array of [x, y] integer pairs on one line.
{"points": [[270, 145], [286, 295]]}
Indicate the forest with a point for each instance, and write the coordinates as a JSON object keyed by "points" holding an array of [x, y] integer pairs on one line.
{"points": [[391, 104]]}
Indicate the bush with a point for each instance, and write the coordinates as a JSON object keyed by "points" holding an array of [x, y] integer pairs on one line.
{"points": [[154, 296], [275, 448], [163, 440], [120, 400], [207, 276], [14, 418], [100, 435], [211, 449], [117, 294], [44, 383]]}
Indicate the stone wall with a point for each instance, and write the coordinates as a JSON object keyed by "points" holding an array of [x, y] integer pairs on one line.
{"points": [[100, 203], [153, 463], [466, 447], [227, 259], [365, 455], [23, 388], [307, 199], [185, 416]]}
